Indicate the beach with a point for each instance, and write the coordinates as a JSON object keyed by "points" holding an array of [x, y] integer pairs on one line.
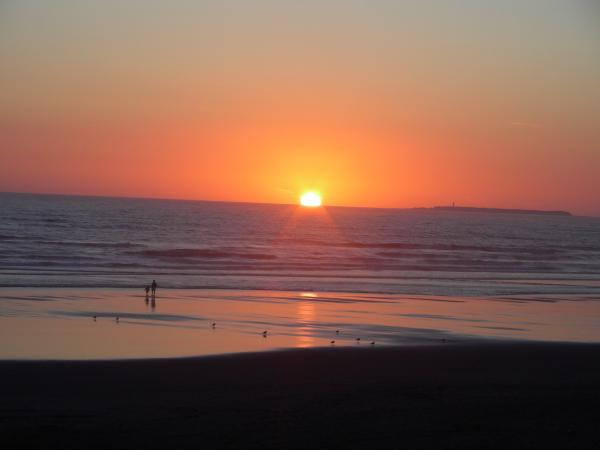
{"points": [[518, 395]]}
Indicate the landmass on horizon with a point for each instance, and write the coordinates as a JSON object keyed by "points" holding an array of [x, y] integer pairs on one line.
{"points": [[475, 209], [470, 209]]}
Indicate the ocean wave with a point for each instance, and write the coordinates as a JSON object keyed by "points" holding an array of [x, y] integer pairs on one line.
{"points": [[437, 247], [95, 244], [37, 240], [204, 253]]}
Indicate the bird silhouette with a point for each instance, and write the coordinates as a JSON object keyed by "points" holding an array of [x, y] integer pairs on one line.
{"points": [[332, 342]]}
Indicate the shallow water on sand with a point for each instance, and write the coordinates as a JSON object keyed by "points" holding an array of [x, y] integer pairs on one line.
{"points": [[59, 324]]}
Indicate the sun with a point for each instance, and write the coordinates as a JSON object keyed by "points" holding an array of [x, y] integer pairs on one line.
{"points": [[310, 199]]}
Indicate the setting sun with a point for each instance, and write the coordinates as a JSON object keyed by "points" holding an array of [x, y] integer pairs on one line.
{"points": [[310, 199]]}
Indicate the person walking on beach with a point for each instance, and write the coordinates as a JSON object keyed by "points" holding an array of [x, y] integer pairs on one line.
{"points": [[154, 286]]}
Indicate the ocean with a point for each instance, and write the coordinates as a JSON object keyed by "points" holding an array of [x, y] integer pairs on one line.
{"points": [[64, 241]]}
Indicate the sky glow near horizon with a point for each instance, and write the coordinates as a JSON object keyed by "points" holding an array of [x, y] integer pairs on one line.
{"points": [[381, 103]]}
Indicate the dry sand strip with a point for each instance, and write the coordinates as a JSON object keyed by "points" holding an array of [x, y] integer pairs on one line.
{"points": [[484, 396]]}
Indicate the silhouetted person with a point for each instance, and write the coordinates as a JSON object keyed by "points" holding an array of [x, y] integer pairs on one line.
{"points": [[154, 286], [147, 288]]}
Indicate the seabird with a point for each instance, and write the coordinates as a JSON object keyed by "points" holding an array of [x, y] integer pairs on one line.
{"points": [[373, 343], [117, 319], [337, 331], [357, 339], [332, 342], [94, 318], [214, 324], [264, 333]]}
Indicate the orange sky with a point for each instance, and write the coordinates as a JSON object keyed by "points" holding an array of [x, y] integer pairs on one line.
{"points": [[384, 105]]}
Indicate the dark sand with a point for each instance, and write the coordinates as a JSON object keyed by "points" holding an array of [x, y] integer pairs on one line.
{"points": [[500, 396]]}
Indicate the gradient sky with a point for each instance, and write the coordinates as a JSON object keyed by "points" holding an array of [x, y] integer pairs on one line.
{"points": [[384, 103]]}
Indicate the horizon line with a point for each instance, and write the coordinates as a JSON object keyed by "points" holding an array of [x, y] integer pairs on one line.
{"points": [[128, 197]]}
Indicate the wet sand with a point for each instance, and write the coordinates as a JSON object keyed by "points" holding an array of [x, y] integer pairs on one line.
{"points": [[58, 323], [483, 396]]}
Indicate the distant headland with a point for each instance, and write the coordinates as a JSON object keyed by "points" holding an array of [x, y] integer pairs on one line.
{"points": [[501, 210]]}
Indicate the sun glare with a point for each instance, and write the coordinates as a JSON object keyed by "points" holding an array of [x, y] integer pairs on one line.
{"points": [[310, 199]]}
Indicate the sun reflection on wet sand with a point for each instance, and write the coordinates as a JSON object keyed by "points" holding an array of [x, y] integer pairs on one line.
{"points": [[306, 315]]}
